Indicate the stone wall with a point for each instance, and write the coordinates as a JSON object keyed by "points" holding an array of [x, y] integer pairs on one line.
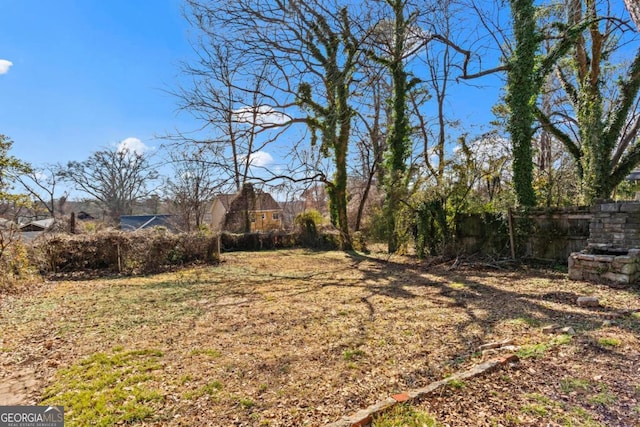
{"points": [[616, 270], [615, 225]]}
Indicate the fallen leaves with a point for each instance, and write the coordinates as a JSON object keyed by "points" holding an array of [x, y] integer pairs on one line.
{"points": [[301, 338]]}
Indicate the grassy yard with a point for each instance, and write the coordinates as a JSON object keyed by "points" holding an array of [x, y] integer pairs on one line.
{"points": [[293, 338]]}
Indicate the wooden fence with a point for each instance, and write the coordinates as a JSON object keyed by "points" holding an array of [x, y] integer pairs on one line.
{"points": [[540, 234]]}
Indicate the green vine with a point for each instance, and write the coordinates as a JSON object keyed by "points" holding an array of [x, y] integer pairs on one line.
{"points": [[522, 92]]}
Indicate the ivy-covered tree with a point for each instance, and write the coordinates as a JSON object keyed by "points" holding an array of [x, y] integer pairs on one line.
{"points": [[335, 51], [390, 49], [528, 68], [522, 91], [599, 120], [633, 6], [311, 55]]}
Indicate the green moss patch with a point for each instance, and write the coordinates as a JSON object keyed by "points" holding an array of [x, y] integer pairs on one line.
{"points": [[404, 415], [106, 389]]}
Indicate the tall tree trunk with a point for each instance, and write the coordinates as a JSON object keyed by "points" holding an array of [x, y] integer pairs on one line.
{"points": [[340, 152], [398, 140], [521, 94], [365, 197]]}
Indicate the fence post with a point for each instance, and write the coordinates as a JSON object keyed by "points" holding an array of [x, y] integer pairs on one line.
{"points": [[511, 238], [119, 257], [218, 246]]}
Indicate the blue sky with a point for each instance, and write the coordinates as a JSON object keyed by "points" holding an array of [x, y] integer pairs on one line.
{"points": [[87, 74]]}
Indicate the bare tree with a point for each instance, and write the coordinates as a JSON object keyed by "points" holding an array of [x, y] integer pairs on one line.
{"points": [[116, 178], [192, 187], [41, 185], [227, 94], [312, 56], [370, 136]]}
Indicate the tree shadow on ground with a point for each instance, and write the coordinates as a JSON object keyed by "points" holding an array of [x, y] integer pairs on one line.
{"points": [[462, 289]]}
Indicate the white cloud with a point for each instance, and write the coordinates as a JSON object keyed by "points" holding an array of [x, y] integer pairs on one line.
{"points": [[261, 159], [263, 115], [4, 66], [42, 176], [132, 145]]}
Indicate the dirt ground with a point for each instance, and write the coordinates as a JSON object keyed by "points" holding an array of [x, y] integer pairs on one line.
{"points": [[295, 337]]}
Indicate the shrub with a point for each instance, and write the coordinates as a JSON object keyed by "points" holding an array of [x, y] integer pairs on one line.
{"points": [[359, 242], [309, 226], [141, 252], [308, 223], [15, 266], [307, 217], [378, 230]]}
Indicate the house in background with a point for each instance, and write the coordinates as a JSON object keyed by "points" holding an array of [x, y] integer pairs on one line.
{"points": [[250, 210]]}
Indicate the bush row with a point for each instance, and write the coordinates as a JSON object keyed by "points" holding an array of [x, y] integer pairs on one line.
{"points": [[258, 241], [154, 250], [277, 240], [142, 252]]}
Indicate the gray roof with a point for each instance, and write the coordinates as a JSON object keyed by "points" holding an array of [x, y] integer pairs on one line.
{"points": [[226, 200], [39, 225], [633, 176], [138, 222]]}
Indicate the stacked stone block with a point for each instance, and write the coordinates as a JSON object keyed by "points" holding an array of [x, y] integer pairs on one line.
{"points": [[612, 254], [615, 226], [618, 270]]}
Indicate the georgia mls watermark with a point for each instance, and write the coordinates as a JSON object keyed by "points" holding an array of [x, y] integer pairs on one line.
{"points": [[31, 416]]}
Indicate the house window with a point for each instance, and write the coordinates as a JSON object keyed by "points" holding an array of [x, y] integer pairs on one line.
{"points": [[275, 216], [252, 217]]}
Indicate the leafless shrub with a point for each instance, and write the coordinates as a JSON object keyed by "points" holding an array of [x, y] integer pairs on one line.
{"points": [[112, 251]]}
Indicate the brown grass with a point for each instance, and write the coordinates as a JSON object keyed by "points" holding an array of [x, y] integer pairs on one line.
{"points": [[301, 338]]}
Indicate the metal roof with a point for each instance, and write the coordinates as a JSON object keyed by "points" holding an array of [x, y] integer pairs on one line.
{"points": [[39, 225], [138, 222], [633, 176]]}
